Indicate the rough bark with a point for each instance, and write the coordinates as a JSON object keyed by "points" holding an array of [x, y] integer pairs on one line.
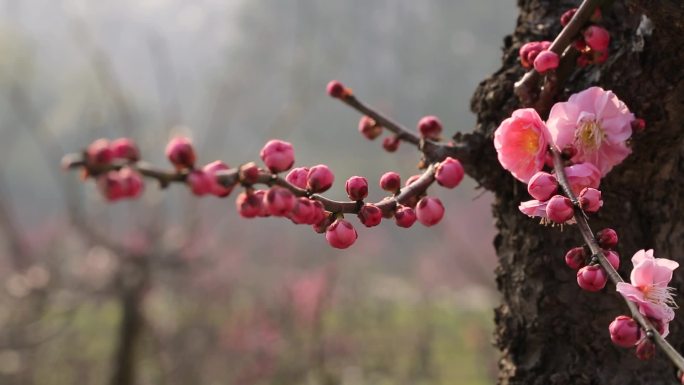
{"points": [[548, 330]]}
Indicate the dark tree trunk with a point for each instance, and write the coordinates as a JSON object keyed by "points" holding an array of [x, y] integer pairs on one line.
{"points": [[548, 330]]}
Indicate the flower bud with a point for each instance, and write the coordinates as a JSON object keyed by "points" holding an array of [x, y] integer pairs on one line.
{"points": [[638, 125], [576, 258], [613, 258], [582, 175], [111, 186], [279, 201], [199, 182], [319, 178], [370, 215], [567, 16], [337, 90], [297, 177], [132, 182], [216, 188], [542, 186], [318, 214], [125, 148], [449, 173], [390, 143], [405, 216], [369, 128], [624, 331], [592, 278], [249, 173], [325, 221], [559, 209], [429, 211], [545, 61], [181, 153], [249, 205], [590, 199], [607, 238], [645, 349], [528, 52], [430, 127], [303, 211], [341, 234], [357, 188], [100, 152], [390, 181], [413, 201], [597, 38], [277, 155]]}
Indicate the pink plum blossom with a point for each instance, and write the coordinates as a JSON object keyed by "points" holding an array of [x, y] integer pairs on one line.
{"points": [[581, 176], [596, 123], [521, 142], [533, 208], [648, 288]]}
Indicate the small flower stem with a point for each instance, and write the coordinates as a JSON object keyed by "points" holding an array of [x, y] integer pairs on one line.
{"points": [[231, 177], [597, 252]]}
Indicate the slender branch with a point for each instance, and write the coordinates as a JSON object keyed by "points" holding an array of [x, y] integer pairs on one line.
{"points": [[526, 87], [231, 177], [588, 235]]}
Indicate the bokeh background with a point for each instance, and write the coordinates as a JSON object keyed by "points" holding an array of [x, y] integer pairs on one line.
{"points": [[179, 290]]}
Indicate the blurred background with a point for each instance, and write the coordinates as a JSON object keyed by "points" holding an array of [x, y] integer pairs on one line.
{"points": [[171, 289]]}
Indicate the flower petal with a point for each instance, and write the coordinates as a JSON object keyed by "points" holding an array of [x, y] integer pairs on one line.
{"points": [[630, 292]]}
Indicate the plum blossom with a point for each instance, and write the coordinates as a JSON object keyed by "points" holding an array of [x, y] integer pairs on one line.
{"points": [[596, 124], [521, 142], [648, 288]]}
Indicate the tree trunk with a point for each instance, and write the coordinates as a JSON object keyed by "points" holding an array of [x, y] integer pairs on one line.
{"points": [[549, 331]]}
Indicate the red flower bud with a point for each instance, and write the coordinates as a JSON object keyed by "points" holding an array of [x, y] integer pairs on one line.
{"points": [[542, 186], [100, 152], [613, 258], [181, 153], [592, 278], [607, 238], [341, 234], [624, 331], [449, 173], [405, 216], [216, 188], [337, 90], [370, 215], [645, 349], [390, 181], [590, 199], [297, 177], [390, 143], [125, 148], [369, 128], [598, 38], [277, 155], [430, 127], [559, 209], [429, 211], [319, 178], [199, 182], [357, 188], [279, 201], [576, 258]]}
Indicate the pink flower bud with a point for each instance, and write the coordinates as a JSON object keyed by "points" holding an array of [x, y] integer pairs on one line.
{"points": [[390, 181], [370, 215], [597, 38], [576, 258], [567, 16], [592, 278], [277, 155], [357, 188], [249, 173], [217, 188], [111, 186], [319, 178], [559, 209], [430, 127], [369, 128], [590, 199], [390, 143], [297, 177], [624, 331], [542, 186], [337, 90], [582, 175], [132, 182], [413, 201], [638, 125], [100, 152], [545, 61], [341, 234], [607, 238], [181, 153], [279, 201], [322, 225], [405, 216], [528, 52], [318, 214], [429, 211], [645, 349], [125, 148], [613, 258], [200, 183], [249, 205], [303, 211], [449, 173]]}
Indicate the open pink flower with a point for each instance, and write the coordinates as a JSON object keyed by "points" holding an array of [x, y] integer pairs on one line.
{"points": [[533, 208], [521, 142], [596, 124], [649, 289]]}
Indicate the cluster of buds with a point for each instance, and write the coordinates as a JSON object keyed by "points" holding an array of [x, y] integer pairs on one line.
{"points": [[119, 183], [594, 41], [590, 275], [294, 197]]}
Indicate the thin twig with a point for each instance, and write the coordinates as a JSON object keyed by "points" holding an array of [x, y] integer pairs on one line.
{"points": [[231, 177], [614, 276]]}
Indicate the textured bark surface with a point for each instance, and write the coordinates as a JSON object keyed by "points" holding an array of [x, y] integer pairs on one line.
{"points": [[548, 330]]}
